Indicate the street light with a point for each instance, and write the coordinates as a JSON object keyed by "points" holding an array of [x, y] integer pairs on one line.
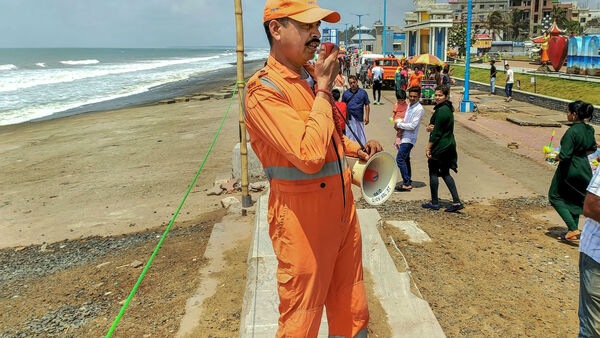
{"points": [[346, 35], [466, 105], [359, 30], [545, 23], [384, 24]]}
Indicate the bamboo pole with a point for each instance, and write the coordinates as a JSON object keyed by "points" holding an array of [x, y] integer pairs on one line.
{"points": [[239, 24]]}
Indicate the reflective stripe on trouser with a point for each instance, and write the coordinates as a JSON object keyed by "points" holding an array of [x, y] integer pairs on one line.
{"points": [[320, 261]]}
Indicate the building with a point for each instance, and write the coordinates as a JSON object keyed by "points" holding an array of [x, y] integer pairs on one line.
{"points": [[480, 10], [363, 39], [393, 41], [583, 15], [539, 12], [427, 28]]}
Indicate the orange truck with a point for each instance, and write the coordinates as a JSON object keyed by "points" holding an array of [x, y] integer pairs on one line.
{"points": [[389, 66]]}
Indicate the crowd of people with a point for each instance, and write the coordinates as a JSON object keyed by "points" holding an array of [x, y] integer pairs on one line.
{"points": [[304, 120]]}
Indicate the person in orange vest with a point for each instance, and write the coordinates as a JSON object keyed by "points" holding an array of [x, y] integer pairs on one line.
{"points": [[312, 217], [415, 78]]}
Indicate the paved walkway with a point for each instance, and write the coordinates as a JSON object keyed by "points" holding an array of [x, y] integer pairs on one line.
{"points": [[392, 287]]}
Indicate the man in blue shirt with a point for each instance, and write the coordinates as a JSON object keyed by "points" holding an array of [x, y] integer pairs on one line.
{"points": [[357, 103]]}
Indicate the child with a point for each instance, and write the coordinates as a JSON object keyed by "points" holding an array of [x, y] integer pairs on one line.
{"points": [[398, 114], [340, 121]]}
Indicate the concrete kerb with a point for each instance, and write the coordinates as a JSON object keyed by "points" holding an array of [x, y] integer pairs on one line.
{"points": [[407, 314]]}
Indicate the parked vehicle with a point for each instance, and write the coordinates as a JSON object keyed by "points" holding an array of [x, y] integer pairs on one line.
{"points": [[366, 58], [389, 65]]}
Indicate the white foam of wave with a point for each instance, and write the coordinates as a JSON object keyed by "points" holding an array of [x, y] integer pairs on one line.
{"points": [[258, 54], [8, 67], [127, 83], [37, 112], [79, 62], [128, 88], [60, 75], [41, 64]]}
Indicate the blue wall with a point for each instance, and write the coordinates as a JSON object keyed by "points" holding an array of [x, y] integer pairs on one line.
{"points": [[582, 57]]}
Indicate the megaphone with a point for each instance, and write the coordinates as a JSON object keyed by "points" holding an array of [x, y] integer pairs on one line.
{"points": [[376, 178]]}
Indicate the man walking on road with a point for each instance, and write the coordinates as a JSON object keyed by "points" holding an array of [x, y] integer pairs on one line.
{"points": [[377, 72], [410, 126], [510, 80], [313, 223], [357, 103], [492, 78]]}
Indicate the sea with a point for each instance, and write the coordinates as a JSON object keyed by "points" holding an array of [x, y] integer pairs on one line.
{"points": [[43, 83]]}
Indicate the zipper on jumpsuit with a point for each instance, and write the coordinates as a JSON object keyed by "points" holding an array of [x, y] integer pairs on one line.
{"points": [[337, 154], [339, 161]]}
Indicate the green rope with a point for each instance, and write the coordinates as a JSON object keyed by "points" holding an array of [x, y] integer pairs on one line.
{"points": [[166, 232]]}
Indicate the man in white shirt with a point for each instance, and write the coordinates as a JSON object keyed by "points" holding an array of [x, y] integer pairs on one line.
{"points": [[510, 79], [377, 73], [410, 126], [589, 266]]}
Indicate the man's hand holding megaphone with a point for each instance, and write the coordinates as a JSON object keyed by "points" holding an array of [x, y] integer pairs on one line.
{"points": [[371, 148]]}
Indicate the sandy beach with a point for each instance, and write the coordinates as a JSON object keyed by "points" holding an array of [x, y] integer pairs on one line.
{"points": [[114, 172]]}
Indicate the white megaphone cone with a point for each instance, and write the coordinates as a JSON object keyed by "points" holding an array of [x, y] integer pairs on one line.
{"points": [[376, 178]]}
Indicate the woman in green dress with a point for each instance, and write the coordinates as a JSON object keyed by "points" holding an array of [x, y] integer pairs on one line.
{"points": [[568, 188], [441, 150]]}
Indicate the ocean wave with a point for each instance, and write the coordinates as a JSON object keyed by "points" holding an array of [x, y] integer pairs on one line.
{"points": [[65, 75], [79, 62], [8, 67], [42, 87], [46, 109]]}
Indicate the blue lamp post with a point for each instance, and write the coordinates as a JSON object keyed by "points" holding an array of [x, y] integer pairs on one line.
{"points": [[384, 25], [359, 31], [466, 105], [346, 35]]}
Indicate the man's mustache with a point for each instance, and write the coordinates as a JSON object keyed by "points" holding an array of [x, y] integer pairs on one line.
{"points": [[313, 40]]}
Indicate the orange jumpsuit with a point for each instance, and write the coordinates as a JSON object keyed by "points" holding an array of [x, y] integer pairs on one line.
{"points": [[312, 217]]}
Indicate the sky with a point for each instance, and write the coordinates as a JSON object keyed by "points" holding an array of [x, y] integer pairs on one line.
{"points": [[158, 23]]}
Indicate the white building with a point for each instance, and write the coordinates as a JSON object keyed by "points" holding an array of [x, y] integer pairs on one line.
{"points": [[364, 39], [427, 28]]}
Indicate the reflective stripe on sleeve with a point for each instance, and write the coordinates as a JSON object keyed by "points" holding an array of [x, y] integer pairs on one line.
{"points": [[294, 174]]}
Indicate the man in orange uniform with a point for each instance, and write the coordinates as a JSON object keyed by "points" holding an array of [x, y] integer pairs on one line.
{"points": [[312, 217]]}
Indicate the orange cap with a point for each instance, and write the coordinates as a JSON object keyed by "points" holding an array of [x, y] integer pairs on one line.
{"points": [[305, 11]]}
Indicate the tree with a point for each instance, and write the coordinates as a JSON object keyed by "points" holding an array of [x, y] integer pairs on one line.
{"points": [[457, 37], [518, 26], [496, 23], [594, 22], [350, 33], [559, 15]]}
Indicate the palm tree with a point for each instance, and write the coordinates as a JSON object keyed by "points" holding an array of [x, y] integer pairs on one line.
{"points": [[559, 15], [496, 24], [457, 37], [518, 26]]}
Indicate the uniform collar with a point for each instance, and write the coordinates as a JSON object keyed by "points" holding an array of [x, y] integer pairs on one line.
{"points": [[284, 71]]}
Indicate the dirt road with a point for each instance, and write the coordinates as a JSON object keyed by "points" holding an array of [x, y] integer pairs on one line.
{"points": [[496, 269]]}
